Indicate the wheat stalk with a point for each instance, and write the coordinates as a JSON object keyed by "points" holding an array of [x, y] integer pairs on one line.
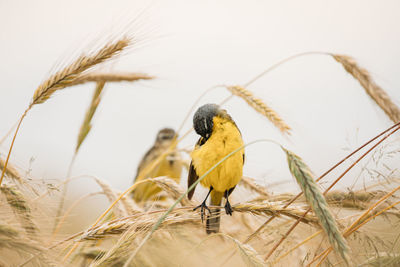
{"points": [[11, 172], [108, 191], [274, 209], [260, 107], [83, 132], [377, 94], [317, 201], [138, 223], [64, 77], [129, 205], [110, 77]]}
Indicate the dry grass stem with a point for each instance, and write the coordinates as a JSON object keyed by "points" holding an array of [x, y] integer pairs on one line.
{"points": [[377, 94], [317, 201], [110, 77], [260, 107]]}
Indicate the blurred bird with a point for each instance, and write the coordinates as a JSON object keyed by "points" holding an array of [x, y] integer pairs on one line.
{"points": [[170, 165], [219, 137]]}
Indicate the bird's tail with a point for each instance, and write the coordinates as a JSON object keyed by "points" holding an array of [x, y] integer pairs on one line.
{"points": [[213, 220]]}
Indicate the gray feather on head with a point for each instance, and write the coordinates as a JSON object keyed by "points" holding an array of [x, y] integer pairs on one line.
{"points": [[203, 119], [165, 134]]}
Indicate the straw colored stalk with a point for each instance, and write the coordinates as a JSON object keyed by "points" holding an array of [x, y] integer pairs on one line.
{"points": [[260, 107], [145, 220], [274, 209], [110, 77], [139, 223], [108, 191], [63, 78], [128, 204], [378, 95], [11, 172], [353, 200], [363, 219], [20, 207], [318, 203], [67, 76], [86, 125], [117, 254]]}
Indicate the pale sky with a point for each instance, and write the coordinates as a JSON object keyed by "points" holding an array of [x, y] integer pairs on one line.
{"points": [[191, 46]]}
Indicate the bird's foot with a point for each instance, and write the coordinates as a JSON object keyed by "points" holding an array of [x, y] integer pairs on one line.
{"points": [[228, 208], [202, 207]]}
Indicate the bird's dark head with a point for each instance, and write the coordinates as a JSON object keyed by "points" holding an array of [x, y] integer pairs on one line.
{"points": [[203, 119], [165, 135]]}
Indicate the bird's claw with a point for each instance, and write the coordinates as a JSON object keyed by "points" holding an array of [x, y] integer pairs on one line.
{"points": [[202, 207], [228, 208]]}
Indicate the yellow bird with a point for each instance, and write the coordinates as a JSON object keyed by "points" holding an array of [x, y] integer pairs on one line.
{"points": [[219, 137], [170, 165]]}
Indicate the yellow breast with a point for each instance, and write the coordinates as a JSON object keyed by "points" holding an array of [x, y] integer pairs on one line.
{"points": [[171, 166], [224, 139]]}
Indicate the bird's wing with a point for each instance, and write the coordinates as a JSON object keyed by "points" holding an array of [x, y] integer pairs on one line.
{"points": [[192, 177]]}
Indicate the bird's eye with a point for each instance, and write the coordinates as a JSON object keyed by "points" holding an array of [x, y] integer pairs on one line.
{"points": [[165, 137]]}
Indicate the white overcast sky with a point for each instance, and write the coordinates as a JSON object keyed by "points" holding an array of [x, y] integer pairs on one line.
{"points": [[191, 46]]}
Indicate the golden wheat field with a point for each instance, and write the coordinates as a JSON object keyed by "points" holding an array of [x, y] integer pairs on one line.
{"points": [[345, 215]]}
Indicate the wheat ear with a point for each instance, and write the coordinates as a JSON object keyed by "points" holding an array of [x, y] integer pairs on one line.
{"points": [[86, 125], [260, 107], [317, 201], [377, 94], [64, 77]]}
